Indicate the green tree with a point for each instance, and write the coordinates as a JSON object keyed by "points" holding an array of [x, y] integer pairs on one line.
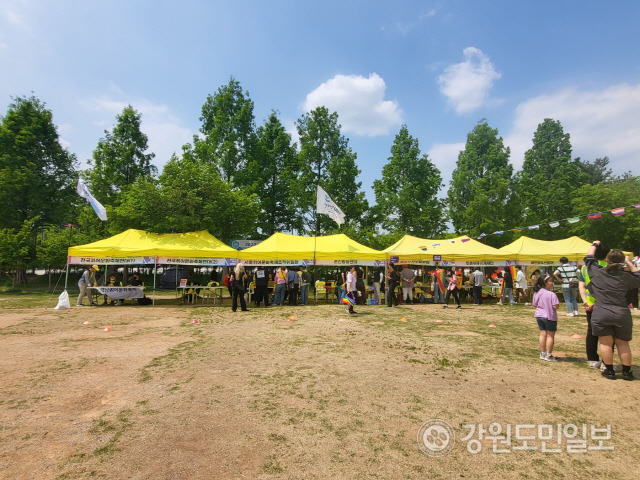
{"points": [[51, 251], [549, 179], [618, 232], [481, 189], [190, 196], [327, 160], [228, 129], [272, 174], [120, 158], [37, 175], [407, 194], [596, 172], [16, 246]]}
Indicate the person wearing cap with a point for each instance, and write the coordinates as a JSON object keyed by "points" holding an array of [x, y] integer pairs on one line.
{"points": [[88, 279]]}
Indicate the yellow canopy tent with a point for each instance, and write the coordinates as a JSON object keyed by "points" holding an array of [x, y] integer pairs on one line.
{"points": [[137, 247], [285, 249], [459, 251], [140, 247], [547, 252]]}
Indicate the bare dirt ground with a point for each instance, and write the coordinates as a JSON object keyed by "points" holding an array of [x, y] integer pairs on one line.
{"points": [[323, 395]]}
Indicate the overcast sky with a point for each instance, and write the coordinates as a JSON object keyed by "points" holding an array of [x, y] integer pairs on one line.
{"points": [[436, 66]]}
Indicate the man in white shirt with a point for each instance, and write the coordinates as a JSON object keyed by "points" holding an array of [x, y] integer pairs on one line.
{"points": [[477, 280], [521, 285]]}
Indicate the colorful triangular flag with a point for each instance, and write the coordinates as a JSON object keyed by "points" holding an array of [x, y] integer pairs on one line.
{"points": [[533, 227], [498, 232], [593, 216]]}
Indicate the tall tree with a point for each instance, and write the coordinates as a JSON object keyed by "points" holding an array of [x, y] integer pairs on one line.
{"points": [[228, 129], [120, 158], [189, 196], [549, 178], [272, 174], [407, 194], [481, 191], [327, 160], [597, 171], [37, 175]]}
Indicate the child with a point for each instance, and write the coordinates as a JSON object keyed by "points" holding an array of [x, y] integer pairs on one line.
{"points": [[546, 303]]}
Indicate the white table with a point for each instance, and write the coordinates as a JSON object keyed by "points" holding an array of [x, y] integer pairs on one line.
{"points": [[120, 293]]}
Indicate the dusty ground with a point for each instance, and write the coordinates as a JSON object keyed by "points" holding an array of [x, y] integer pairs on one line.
{"points": [[326, 395]]}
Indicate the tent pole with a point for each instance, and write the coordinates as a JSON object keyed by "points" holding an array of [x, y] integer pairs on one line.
{"points": [[315, 290], [155, 271], [66, 277]]}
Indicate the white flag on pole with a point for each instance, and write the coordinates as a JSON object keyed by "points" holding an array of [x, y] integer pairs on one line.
{"points": [[325, 205], [84, 192]]}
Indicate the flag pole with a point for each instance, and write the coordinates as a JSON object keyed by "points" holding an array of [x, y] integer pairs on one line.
{"points": [[315, 239]]}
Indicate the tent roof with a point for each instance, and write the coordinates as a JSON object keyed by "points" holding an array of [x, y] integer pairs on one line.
{"points": [[138, 243], [463, 248], [282, 246], [532, 250]]}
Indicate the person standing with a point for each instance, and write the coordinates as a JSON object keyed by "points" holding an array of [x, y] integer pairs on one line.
{"points": [[546, 303], [477, 280], [507, 290], [236, 280], [281, 285], [568, 275], [439, 286], [392, 280], [352, 290], [88, 279], [408, 278], [304, 286], [521, 285], [360, 286], [293, 282], [611, 319], [378, 279], [591, 341], [452, 289], [262, 288]]}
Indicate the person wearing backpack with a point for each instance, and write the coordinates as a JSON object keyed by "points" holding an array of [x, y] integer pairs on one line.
{"points": [[568, 275]]}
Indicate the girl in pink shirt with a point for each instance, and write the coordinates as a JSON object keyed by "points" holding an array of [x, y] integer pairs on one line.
{"points": [[546, 303]]}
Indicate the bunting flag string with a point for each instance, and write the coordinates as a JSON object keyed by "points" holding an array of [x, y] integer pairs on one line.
{"points": [[616, 212]]}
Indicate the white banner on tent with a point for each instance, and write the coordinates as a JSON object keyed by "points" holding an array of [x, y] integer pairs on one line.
{"points": [[111, 260], [276, 263], [198, 262], [449, 263], [344, 263]]}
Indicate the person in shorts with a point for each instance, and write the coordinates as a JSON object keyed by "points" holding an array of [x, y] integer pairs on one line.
{"points": [[546, 303], [611, 319]]}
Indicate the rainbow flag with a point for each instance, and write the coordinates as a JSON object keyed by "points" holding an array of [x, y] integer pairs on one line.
{"points": [[440, 279], [593, 216], [423, 248], [616, 212], [347, 301]]}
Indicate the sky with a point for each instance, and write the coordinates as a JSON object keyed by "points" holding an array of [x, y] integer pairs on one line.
{"points": [[437, 67]]}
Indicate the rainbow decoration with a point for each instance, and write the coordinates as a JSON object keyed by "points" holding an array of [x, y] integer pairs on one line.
{"points": [[423, 248], [440, 279], [348, 301], [593, 216]]}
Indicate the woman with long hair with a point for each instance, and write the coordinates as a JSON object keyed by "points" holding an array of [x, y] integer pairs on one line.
{"points": [[611, 319], [236, 281]]}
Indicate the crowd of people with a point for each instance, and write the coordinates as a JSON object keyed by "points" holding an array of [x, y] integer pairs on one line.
{"points": [[607, 284]]}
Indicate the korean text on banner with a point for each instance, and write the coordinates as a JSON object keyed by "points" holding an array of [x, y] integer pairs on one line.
{"points": [[325, 205]]}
